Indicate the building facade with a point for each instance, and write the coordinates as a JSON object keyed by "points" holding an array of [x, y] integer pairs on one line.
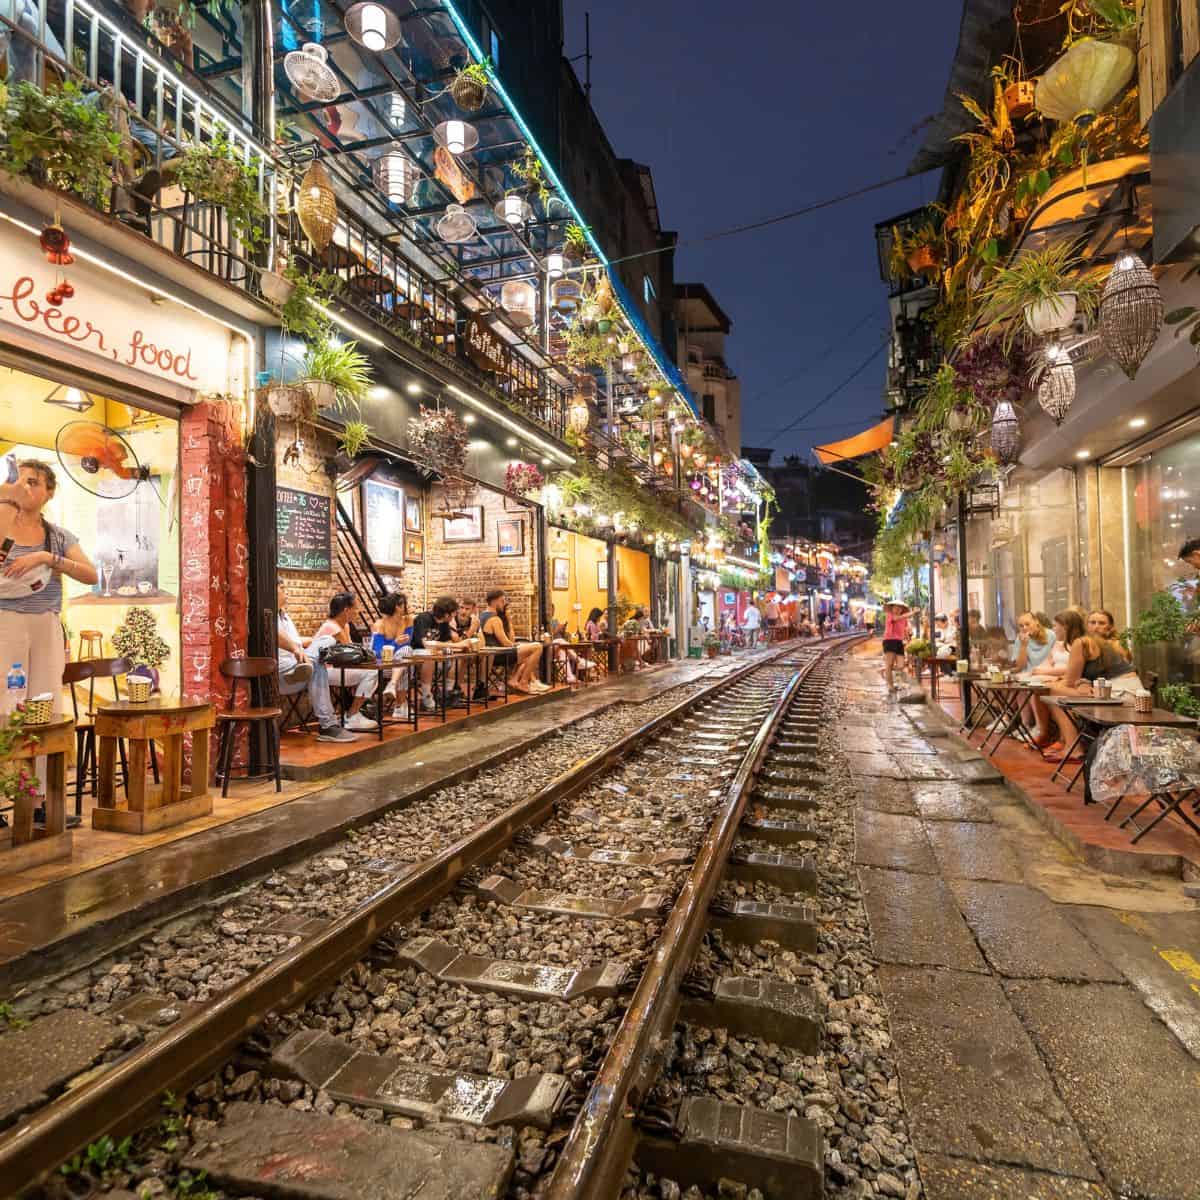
{"points": [[702, 327]]}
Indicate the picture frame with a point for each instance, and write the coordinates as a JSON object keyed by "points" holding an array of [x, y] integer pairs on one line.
{"points": [[383, 521], [561, 568], [510, 537], [414, 548], [467, 528], [602, 575], [514, 506], [412, 514]]}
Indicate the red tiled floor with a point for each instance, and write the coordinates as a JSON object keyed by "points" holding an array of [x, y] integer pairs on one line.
{"points": [[1170, 848]]}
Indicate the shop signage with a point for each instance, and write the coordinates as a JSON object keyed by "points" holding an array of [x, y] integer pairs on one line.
{"points": [[303, 524], [108, 322], [485, 349]]}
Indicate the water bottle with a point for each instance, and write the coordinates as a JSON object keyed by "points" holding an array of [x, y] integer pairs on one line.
{"points": [[15, 691]]}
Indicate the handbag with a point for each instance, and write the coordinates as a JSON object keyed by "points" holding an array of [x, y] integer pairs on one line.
{"points": [[346, 655]]}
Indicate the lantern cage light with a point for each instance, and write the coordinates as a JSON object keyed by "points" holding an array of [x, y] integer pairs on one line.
{"points": [[457, 136], [518, 297], [512, 209], [1131, 313], [395, 175], [1056, 390], [372, 26]]}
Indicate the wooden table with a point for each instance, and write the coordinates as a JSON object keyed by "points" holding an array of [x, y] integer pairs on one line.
{"points": [[1007, 702], [30, 845], [164, 805]]}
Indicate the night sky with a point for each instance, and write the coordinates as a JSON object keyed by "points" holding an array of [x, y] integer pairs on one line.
{"points": [[747, 110]]}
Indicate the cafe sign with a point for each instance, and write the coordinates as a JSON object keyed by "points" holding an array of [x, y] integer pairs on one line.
{"points": [[109, 324], [485, 349]]}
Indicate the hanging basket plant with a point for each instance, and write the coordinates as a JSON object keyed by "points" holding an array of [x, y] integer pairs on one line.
{"points": [[469, 88], [216, 173], [437, 442], [521, 478]]}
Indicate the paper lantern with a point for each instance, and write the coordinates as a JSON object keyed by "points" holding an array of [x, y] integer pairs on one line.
{"points": [[372, 26], [555, 265], [1085, 81], [395, 175], [457, 136], [519, 299], [1006, 433], [579, 415], [1056, 391], [316, 206], [1131, 313], [397, 110], [513, 210]]}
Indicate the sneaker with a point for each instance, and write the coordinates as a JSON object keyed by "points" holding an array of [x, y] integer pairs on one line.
{"points": [[586, 664], [335, 733], [536, 685], [361, 724], [428, 704]]}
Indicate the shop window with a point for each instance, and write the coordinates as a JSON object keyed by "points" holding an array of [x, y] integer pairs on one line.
{"points": [[1056, 565], [710, 408]]}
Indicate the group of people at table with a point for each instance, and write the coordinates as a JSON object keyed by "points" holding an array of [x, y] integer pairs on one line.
{"points": [[1065, 656], [400, 636]]}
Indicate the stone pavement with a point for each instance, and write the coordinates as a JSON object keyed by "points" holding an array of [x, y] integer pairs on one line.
{"points": [[1045, 1017]]}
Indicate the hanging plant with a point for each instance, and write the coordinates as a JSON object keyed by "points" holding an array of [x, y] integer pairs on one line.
{"points": [[336, 373], [991, 374], [528, 169], [586, 346], [217, 173], [354, 437], [437, 441], [299, 313], [469, 87], [521, 478], [575, 242]]}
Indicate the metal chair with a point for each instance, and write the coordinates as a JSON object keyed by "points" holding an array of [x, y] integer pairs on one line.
{"points": [[293, 691], [264, 713]]}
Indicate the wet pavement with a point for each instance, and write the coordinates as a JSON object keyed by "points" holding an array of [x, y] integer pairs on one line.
{"points": [[1045, 1016]]}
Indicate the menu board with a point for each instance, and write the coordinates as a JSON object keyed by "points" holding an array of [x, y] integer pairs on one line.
{"points": [[304, 525], [383, 505]]}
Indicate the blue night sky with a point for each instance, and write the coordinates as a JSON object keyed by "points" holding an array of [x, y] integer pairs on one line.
{"points": [[745, 111]]}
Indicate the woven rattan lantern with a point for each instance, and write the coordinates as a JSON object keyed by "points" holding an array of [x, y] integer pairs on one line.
{"points": [[1131, 313], [1056, 391], [1085, 81], [316, 206], [519, 299], [1006, 434], [579, 415]]}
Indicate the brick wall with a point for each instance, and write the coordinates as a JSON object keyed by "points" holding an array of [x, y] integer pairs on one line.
{"points": [[308, 591], [469, 570]]}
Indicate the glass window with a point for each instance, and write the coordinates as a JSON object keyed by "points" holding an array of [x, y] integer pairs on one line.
{"points": [[648, 292]]}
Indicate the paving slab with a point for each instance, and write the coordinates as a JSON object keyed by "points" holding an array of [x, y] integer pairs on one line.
{"points": [[969, 850], [972, 1081], [878, 766], [915, 920], [892, 841], [1131, 1086], [1025, 935], [954, 801], [960, 1179], [279, 1152], [38, 1060], [887, 796], [977, 770], [925, 766]]}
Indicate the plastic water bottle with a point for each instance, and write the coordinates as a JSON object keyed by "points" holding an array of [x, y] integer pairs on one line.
{"points": [[15, 688]]}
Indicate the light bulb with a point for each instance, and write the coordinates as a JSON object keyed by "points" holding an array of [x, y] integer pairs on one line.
{"points": [[555, 266], [374, 27], [456, 136]]}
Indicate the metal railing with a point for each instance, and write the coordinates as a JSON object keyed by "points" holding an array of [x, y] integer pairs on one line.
{"points": [[356, 569]]}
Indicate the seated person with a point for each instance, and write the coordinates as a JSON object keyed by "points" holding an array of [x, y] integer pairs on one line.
{"points": [[630, 629], [428, 629], [522, 660], [394, 628], [596, 629], [573, 663], [466, 620], [343, 615], [1034, 646], [293, 650], [1102, 626]]}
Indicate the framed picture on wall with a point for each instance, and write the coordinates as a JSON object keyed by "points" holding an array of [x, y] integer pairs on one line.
{"points": [[514, 506], [465, 528], [602, 575], [414, 548], [412, 513], [383, 513], [562, 574], [510, 538]]}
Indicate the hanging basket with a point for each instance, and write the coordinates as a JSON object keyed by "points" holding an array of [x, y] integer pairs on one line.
{"points": [[1049, 316], [469, 94], [288, 400], [923, 260], [1019, 98], [275, 288], [1131, 313], [322, 394]]}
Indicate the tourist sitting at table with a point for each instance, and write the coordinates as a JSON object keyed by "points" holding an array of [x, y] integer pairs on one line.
{"points": [[521, 659], [1089, 659], [394, 629], [631, 628], [1035, 643], [1102, 626], [572, 663], [430, 629], [596, 628], [343, 614], [466, 620], [294, 652]]}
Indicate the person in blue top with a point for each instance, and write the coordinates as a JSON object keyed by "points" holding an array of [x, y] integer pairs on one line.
{"points": [[394, 628], [1034, 644]]}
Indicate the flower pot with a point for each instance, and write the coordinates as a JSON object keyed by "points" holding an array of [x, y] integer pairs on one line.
{"points": [[469, 94], [322, 394], [1018, 98], [711, 651], [1049, 316], [923, 260], [275, 288], [287, 400]]}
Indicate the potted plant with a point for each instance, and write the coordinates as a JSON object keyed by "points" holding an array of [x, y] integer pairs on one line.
{"points": [[1166, 620], [521, 478], [217, 173], [1042, 291], [575, 242], [712, 644], [469, 87], [336, 374], [137, 640], [354, 436], [918, 252], [62, 139]]}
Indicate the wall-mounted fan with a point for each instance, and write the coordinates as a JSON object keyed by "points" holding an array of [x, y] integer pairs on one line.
{"points": [[99, 459]]}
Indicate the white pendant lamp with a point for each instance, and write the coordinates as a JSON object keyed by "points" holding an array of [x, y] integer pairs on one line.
{"points": [[372, 26]]}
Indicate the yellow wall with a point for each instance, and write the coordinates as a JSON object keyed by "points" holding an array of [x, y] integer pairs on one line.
{"points": [[633, 576], [582, 555]]}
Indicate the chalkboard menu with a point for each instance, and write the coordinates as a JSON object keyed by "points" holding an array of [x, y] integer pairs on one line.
{"points": [[303, 522]]}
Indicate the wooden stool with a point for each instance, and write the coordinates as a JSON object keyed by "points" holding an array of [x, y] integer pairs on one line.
{"points": [[265, 715], [140, 724], [91, 644], [28, 845]]}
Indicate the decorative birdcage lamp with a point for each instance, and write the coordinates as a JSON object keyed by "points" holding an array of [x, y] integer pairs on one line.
{"points": [[1056, 389], [518, 297], [1131, 313], [1006, 433], [395, 175]]}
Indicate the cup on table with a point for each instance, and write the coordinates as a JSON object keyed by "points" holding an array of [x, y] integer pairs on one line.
{"points": [[962, 666], [389, 653]]}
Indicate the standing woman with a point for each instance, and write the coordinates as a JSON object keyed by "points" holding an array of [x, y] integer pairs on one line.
{"points": [[31, 631], [895, 634]]}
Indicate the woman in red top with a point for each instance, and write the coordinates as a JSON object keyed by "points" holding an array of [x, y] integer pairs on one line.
{"points": [[895, 634]]}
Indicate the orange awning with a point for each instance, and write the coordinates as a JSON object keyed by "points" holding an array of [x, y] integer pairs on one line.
{"points": [[866, 442]]}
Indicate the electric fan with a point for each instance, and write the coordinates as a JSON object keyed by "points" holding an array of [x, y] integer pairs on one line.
{"points": [[310, 73], [99, 460]]}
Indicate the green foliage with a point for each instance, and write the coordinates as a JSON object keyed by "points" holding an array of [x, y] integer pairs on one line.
{"points": [[1166, 620], [1179, 698], [299, 316], [137, 639], [354, 436], [1115, 17], [1188, 321], [528, 169], [193, 1187], [101, 1158], [616, 490], [586, 346], [66, 135], [9, 1018], [217, 173], [918, 648], [341, 364], [575, 238], [479, 72]]}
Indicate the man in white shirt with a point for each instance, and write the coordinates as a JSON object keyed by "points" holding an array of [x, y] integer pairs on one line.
{"points": [[294, 651], [751, 622]]}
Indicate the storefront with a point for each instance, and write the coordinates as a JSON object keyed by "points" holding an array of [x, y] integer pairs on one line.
{"points": [[578, 577], [134, 397]]}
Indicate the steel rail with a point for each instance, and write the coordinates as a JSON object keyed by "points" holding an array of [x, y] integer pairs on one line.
{"points": [[129, 1092], [601, 1144]]}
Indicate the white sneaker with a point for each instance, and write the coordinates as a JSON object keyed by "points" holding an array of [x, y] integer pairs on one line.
{"points": [[586, 664], [361, 724], [536, 685]]}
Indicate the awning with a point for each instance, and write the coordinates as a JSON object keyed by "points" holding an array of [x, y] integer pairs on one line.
{"points": [[866, 442]]}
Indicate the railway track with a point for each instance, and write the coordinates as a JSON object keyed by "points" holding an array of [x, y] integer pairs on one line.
{"points": [[515, 990]]}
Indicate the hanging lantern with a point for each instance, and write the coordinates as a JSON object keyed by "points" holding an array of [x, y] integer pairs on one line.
{"points": [[555, 265], [372, 26], [397, 110], [395, 175], [1085, 81], [1006, 433], [564, 296], [316, 206], [579, 414], [513, 210], [629, 363], [1056, 391], [1131, 313], [457, 136], [519, 299]]}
